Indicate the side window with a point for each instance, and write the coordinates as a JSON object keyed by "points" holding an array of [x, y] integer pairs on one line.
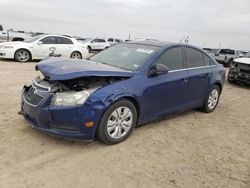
{"points": [[95, 40], [117, 40], [49, 40], [194, 58], [110, 40], [102, 40], [62, 40], [1, 28], [173, 59], [206, 60]]}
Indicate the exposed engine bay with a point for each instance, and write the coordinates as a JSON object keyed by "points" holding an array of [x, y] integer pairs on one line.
{"points": [[79, 84]]}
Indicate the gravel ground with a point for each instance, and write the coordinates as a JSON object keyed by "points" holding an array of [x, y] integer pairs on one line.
{"points": [[192, 149]]}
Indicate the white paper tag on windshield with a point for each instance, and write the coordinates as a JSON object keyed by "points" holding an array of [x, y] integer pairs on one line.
{"points": [[144, 50]]}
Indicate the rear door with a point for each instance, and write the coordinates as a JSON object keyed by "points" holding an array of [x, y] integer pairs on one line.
{"points": [[199, 73]]}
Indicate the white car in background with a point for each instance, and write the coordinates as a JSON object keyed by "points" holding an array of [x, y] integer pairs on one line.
{"points": [[113, 41], [95, 44], [42, 46]]}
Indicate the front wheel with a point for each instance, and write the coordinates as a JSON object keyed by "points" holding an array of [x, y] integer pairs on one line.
{"points": [[117, 122], [230, 78], [76, 55], [212, 100], [22, 55]]}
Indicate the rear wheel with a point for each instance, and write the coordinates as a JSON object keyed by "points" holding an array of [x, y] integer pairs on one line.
{"points": [[212, 100], [117, 122], [22, 55], [76, 55]]}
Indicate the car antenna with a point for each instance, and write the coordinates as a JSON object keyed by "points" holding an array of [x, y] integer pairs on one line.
{"points": [[182, 39]]}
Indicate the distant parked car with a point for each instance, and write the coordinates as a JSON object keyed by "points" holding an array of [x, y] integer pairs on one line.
{"points": [[210, 51], [126, 85], [95, 44], [226, 56], [113, 41], [11, 35], [240, 70], [42, 46]]}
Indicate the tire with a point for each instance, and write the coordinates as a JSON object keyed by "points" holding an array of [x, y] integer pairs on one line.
{"points": [[229, 62], [89, 49], [229, 79], [212, 100], [22, 55], [117, 122], [76, 55]]}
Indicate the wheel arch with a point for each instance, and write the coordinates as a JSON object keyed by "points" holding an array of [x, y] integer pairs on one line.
{"points": [[23, 49], [217, 83], [76, 51], [136, 104]]}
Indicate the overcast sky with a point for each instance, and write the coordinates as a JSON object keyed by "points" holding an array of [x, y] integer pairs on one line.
{"points": [[208, 22]]}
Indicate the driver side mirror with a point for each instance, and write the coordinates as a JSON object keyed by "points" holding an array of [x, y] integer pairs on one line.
{"points": [[158, 69], [39, 42]]}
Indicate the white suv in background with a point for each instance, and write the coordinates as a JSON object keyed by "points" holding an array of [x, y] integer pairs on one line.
{"points": [[113, 41], [95, 44]]}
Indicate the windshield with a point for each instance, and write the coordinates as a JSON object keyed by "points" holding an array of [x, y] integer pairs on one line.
{"points": [[126, 56], [86, 40], [32, 39]]}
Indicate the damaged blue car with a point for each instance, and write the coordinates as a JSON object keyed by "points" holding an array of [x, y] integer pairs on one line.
{"points": [[126, 85]]}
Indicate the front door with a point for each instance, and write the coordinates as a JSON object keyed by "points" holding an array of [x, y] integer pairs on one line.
{"points": [[167, 93]]}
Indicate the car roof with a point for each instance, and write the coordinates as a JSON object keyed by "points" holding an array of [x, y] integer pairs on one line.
{"points": [[159, 43]]}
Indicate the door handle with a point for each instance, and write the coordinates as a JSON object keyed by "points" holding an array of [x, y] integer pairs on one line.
{"points": [[183, 80]]}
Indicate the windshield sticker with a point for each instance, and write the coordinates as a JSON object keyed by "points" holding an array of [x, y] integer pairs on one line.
{"points": [[144, 50]]}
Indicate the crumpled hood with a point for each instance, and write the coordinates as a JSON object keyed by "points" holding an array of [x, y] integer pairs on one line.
{"points": [[244, 60], [67, 69]]}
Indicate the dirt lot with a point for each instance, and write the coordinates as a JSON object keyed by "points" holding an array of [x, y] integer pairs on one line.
{"points": [[192, 149]]}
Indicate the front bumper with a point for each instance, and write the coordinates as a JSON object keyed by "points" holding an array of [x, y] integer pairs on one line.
{"points": [[66, 122], [240, 75], [7, 53]]}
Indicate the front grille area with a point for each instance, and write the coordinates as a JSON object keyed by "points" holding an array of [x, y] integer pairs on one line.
{"points": [[244, 68], [30, 97]]}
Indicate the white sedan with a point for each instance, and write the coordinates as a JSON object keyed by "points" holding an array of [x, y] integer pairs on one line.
{"points": [[95, 44], [42, 46]]}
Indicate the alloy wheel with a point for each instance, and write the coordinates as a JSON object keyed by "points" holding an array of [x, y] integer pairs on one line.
{"points": [[119, 122], [213, 99]]}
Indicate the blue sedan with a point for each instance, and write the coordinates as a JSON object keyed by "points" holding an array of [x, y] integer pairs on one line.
{"points": [[123, 86]]}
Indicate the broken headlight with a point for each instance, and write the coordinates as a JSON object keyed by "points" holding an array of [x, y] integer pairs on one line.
{"points": [[233, 65], [70, 98]]}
